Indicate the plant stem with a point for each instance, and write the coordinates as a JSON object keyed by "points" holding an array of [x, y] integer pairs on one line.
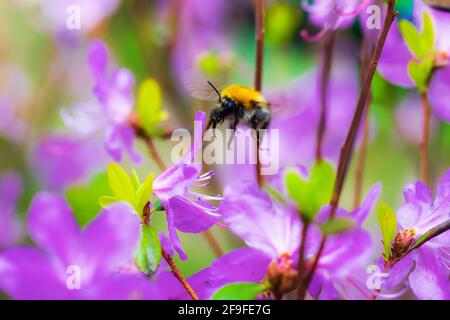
{"points": [[173, 267], [213, 243], [259, 26], [177, 274], [425, 137], [148, 140], [327, 49], [359, 177], [259, 19], [347, 148], [301, 259]]}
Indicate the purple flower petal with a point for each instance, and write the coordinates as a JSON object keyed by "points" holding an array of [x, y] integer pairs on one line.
{"points": [[176, 180], [62, 160], [346, 252], [189, 217], [53, 227], [360, 214], [111, 238], [28, 273], [393, 64], [443, 190], [98, 59], [397, 273], [417, 202], [430, 278], [240, 265], [250, 214], [439, 94], [172, 230]]}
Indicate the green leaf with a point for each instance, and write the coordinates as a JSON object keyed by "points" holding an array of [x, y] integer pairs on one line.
{"points": [[427, 37], [157, 206], [296, 186], [420, 72], [120, 184], [135, 180], [84, 199], [148, 256], [422, 44], [144, 192], [105, 201], [239, 291], [388, 226], [311, 194], [148, 108], [336, 226], [412, 38]]}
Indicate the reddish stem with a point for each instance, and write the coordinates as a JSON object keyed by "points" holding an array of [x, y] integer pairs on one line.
{"points": [[301, 260], [259, 26], [347, 148], [365, 60], [425, 138], [177, 274], [327, 61]]}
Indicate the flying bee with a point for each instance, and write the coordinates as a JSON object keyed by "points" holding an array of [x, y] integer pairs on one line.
{"points": [[237, 103]]}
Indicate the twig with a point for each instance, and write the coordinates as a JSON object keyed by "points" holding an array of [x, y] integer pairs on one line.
{"points": [[259, 26], [148, 140], [346, 150], [359, 177], [213, 243], [425, 138], [259, 19], [173, 267], [327, 61], [301, 260], [177, 274]]}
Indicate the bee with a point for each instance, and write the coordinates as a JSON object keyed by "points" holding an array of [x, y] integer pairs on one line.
{"points": [[443, 5], [238, 103]]}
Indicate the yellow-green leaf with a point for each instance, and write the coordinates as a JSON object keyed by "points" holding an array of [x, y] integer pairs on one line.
{"points": [[120, 184], [412, 38], [420, 72], [420, 44], [144, 192], [310, 195], [105, 201], [239, 291], [427, 36], [149, 101], [135, 180], [388, 226]]}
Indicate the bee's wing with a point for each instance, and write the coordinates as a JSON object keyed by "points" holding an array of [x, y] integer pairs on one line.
{"points": [[439, 4], [197, 85]]}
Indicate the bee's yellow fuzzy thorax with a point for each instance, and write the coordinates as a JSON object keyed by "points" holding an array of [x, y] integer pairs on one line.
{"points": [[242, 94]]}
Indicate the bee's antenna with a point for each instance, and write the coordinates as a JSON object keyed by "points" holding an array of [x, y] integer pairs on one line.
{"points": [[215, 89]]}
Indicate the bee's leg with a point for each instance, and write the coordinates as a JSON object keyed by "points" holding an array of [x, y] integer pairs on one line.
{"points": [[233, 127], [211, 124], [237, 116], [216, 117], [260, 120]]}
